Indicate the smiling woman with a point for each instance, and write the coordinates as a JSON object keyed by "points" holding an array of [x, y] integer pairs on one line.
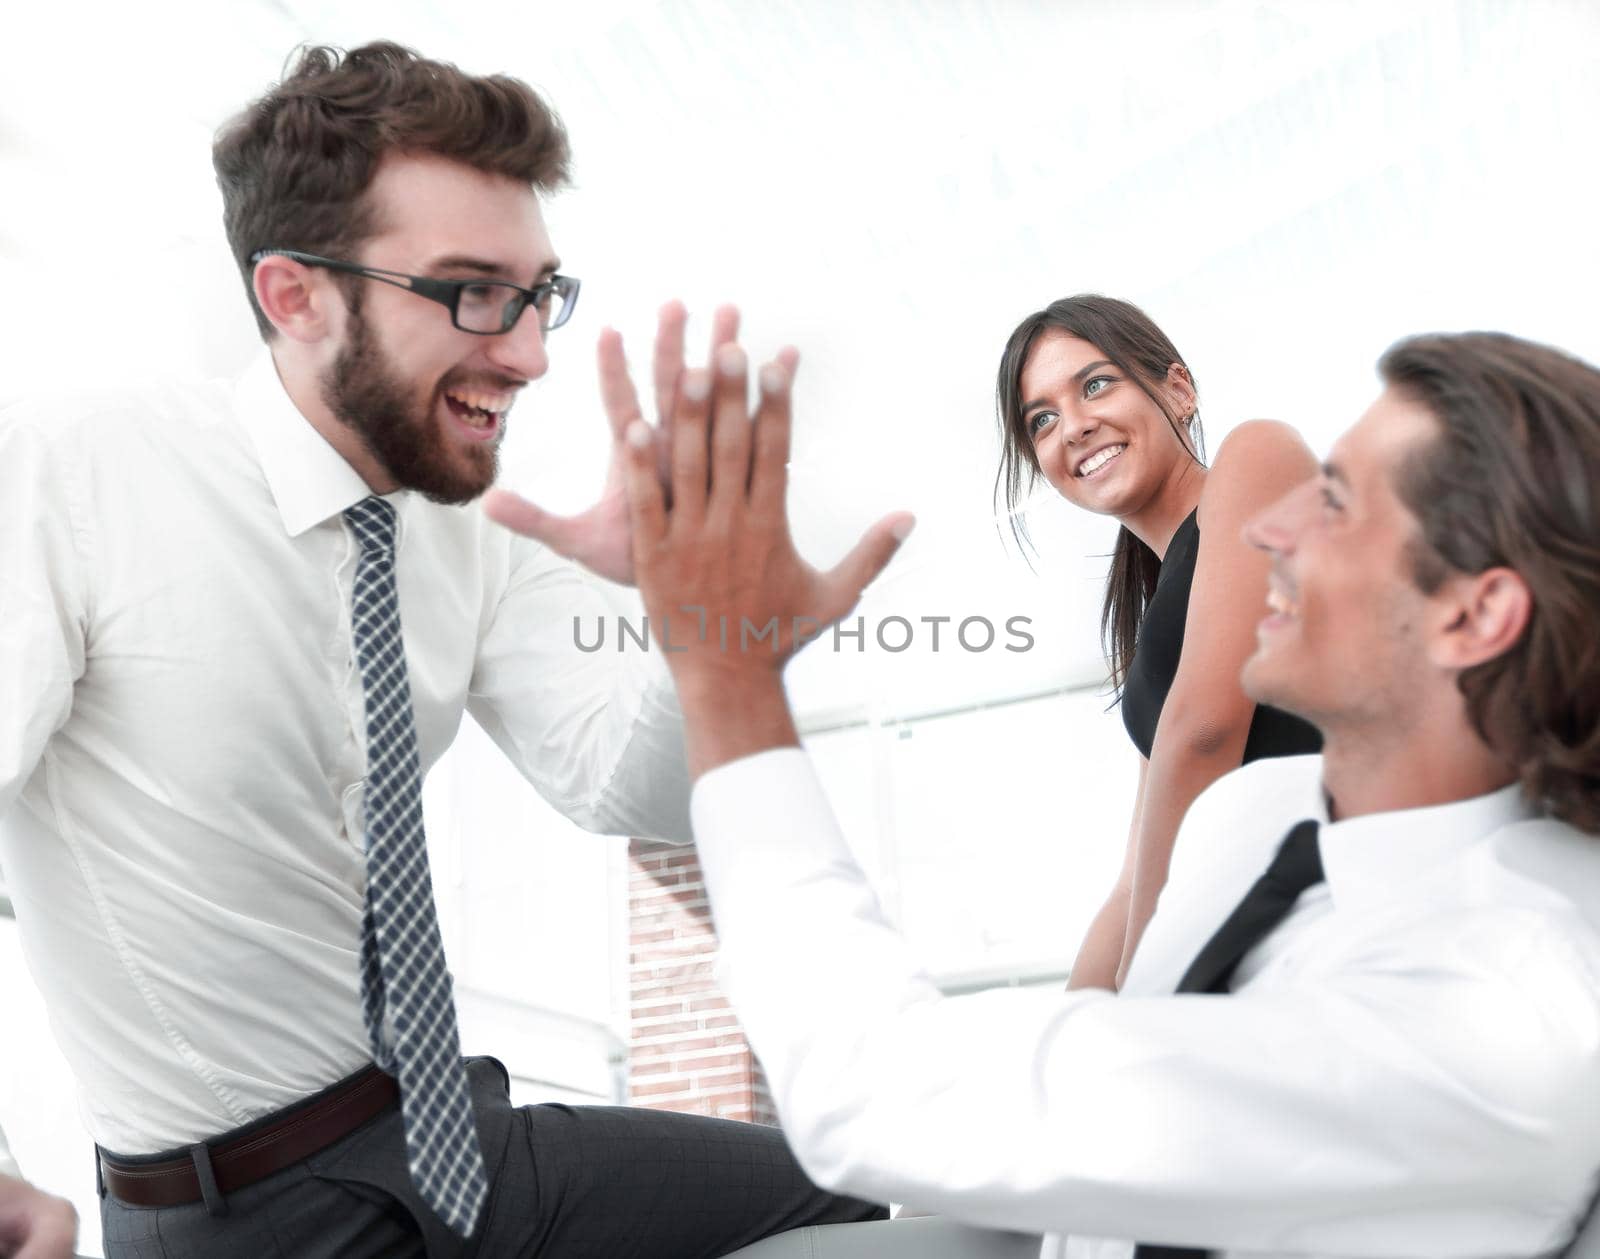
{"points": [[1095, 399]]}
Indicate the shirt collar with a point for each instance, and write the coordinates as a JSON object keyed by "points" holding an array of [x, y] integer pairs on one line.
{"points": [[310, 481], [1377, 854]]}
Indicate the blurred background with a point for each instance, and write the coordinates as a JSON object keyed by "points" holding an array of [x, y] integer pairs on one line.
{"points": [[1285, 186]]}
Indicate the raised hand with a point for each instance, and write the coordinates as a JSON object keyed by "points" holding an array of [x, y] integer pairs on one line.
{"points": [[728, 595], [599, 537]]}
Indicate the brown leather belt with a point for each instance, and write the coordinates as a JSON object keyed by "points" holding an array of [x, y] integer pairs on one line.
{"points": [[297, 1133]]}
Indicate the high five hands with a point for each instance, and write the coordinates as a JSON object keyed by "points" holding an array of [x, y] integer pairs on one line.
{"points": [[599, 538], [728, 596], [695, 513]]}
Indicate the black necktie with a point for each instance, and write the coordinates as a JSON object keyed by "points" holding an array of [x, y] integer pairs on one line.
{"points": [[1297, 866]]}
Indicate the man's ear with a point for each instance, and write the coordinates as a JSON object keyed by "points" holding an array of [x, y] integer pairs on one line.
{"points": [[297, 300], [1480, 616]]}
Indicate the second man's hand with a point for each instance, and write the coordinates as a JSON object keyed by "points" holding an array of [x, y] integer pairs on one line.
{"points": [[729, 598]]}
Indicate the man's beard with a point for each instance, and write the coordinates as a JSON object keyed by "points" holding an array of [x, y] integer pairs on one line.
{"points": [[371, 399]]}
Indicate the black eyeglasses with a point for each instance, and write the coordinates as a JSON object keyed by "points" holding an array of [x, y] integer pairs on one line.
{"points": [[485, 308]]}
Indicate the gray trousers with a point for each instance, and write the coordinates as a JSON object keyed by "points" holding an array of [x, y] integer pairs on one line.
{"points": [[565, 1182]]}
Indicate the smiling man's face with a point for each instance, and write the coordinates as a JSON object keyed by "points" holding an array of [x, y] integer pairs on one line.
{"points": [[1345, 637], [427, 399]]}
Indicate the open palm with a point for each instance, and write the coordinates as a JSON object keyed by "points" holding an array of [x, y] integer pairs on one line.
{"points": [[600, 538], [717, 566]]}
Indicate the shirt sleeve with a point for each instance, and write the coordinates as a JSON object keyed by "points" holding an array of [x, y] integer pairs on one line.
{"points": [[1344, 1118], [43, 612], [595, 728]]}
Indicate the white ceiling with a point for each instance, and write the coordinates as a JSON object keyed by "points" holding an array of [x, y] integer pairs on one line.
{"points": [[1285, 186]]}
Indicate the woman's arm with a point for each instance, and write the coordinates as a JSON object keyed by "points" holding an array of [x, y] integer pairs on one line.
{"points": [[1100, 955], [1205, 721]]}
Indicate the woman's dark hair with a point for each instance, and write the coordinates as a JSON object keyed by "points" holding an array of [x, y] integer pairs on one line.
{"points": [[1130, 340], [294, 166], [1513, 480]]}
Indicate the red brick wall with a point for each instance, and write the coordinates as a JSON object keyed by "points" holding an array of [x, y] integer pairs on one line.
{"points": [[685, 1050]]}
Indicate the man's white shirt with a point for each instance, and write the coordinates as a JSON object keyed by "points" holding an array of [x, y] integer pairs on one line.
{"points": [[1408, 1066], [182, 743]]}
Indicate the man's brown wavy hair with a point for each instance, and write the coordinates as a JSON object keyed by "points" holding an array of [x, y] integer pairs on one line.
{"points": [[1513, 480], [294, 166]]}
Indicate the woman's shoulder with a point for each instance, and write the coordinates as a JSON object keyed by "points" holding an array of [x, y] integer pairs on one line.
{"points": [[1257, 463], [1260, 445]]}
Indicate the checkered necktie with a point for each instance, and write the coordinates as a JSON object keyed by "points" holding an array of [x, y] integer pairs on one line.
{"points": [[403, 971], [1297, 866]]}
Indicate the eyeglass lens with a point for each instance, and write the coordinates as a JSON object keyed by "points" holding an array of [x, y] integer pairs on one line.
{"points": [[494, 308]]}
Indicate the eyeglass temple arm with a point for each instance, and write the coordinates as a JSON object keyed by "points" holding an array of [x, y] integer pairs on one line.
{"points": [[439, 290]]}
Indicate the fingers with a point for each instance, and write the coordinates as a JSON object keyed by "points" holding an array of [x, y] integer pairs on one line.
{"points": [[730, 437], [769, 470], [516, 513], [616, 389], [857, 570], [724, 327], [646, 506], [672, 321], [669, 357], [668, 365], [689, 448]]}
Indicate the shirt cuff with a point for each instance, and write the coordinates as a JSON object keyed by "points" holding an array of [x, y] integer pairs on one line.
{"points": [[762, 823]]}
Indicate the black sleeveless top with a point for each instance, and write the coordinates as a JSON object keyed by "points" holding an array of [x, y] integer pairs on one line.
{"points": [[1273, 732]]}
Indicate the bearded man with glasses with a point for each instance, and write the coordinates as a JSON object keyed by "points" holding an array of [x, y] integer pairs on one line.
{"points": [[238, 623]]}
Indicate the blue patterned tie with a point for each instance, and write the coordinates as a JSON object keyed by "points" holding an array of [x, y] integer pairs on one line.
{"points": [[403, 970]]}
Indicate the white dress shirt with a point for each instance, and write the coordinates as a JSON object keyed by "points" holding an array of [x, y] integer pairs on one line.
{"points": [[182, 737], [1409, 1066]]}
